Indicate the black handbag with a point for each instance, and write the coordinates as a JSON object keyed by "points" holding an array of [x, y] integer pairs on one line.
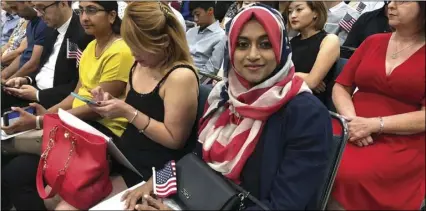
{"points": [[202, 188]]}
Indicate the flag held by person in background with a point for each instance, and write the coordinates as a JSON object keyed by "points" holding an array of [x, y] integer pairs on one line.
{"points": [[165, 183], [347, 22], [73, 52], [361, 6]]}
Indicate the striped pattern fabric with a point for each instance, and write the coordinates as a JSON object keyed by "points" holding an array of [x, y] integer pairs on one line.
{"points": [[73, 52], [235, 114], [165, 183]]}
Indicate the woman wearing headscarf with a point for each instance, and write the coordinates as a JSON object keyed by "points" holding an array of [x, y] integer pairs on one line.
{"points": [[262, 127]]}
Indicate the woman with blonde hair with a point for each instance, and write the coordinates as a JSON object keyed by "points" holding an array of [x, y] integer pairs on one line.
{"points": [[161, 96]]}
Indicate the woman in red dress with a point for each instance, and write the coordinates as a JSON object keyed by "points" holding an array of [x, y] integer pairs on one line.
{"points": [[383, 166]]}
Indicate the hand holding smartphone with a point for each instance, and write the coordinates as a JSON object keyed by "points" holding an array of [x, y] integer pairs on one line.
{"points": [[84, 99], [11, 117]]}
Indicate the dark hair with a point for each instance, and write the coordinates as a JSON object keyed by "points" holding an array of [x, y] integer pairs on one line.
{"points": [[221, 8], [316, 6], [69, 3], [205, 5], [111, 6]]}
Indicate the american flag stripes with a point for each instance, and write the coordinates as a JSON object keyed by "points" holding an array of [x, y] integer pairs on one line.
{"points": [[347, 22], [73, 51], [165, 180], [361, 6]]}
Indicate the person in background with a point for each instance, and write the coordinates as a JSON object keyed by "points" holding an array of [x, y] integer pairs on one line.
{"points": [[16, 45], [29, 60], [369, 23], [9, 24], [340, 19], [105, 62], [288, 149], [220, 10], [207, 40], [314, 50], [57, 75], [177, 14], [366, 6], [383, 166]]}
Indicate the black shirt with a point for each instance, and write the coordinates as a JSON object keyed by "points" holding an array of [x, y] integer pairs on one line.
{"points": [[369, 23], [305, 54]]}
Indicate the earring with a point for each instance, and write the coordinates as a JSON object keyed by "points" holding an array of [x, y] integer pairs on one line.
{"points": [[315, 17]]}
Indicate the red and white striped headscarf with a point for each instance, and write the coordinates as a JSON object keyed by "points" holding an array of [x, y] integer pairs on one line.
{"points": [[236, 113]]}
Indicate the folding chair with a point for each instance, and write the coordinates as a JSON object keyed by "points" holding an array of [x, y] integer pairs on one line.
{"points": [[340, 64], [339, 143]]}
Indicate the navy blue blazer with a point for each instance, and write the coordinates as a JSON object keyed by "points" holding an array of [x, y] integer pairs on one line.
{"points": [[296, 150]]}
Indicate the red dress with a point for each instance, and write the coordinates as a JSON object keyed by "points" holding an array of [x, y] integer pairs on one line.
{"points": [[390, 174]]}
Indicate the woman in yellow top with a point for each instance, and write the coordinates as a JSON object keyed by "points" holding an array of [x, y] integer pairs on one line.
{"points": [[105, 62]]}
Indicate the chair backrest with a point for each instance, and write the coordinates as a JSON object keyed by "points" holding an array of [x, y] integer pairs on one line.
{"points": [[204, 91], [338, 67], [339, 143]]}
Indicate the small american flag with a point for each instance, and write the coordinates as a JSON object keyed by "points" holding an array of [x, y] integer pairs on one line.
{"points": [[347, 22], [73, 52], [361, 6], [165, 180]]}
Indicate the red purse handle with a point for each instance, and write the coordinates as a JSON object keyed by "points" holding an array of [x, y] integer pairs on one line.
{"points": [[42, 165]]}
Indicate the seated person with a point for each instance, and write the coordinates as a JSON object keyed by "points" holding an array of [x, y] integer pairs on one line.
{"points": [[340, 19], [285, 165], [383, 166], [161, 107], [369, 23], [57, 75], [16, 45], [36, 31], [106, 62], [314, 50], [161, 99], [206, 40], [9, 25]]}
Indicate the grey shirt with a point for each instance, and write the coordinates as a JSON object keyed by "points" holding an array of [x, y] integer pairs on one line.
{"points": [[207, 47], [335, 15]]}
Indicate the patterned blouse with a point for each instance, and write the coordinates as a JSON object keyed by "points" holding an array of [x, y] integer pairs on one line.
{"points": [[17, 36]]}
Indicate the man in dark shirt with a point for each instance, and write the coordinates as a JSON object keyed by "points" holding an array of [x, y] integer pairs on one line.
{"points": [[29, 60], [369, 23]]}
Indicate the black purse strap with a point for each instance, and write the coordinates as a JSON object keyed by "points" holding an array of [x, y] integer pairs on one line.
{"points": [[247, 195]]}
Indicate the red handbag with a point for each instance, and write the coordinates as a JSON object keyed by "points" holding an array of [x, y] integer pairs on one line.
{"points": [[74, 164]]}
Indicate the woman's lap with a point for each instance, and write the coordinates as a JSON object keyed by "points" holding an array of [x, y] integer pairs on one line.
{"points": [[376, 174]]}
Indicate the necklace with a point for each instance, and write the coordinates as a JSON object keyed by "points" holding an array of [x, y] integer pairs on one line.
{"points": [[395, 54], [111, 38]]}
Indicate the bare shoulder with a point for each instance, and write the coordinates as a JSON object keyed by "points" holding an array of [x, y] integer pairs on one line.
{"points": [[331, 39], [182, 77]]}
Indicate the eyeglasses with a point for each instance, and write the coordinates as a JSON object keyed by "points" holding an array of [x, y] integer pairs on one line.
{"points": [[43, 10], [88, 10]]}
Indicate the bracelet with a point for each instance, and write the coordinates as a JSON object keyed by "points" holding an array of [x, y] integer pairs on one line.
{"points": [[382, 125], [30, 81], [143, 130], [135, 113], [38, 123]]}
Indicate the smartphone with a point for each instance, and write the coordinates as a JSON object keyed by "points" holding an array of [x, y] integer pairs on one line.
{"points": [[11, 117], [84, 99], [214, 77]]}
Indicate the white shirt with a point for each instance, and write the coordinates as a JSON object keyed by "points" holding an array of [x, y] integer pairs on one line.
{"points": [[179, 17], [44, 78]]}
